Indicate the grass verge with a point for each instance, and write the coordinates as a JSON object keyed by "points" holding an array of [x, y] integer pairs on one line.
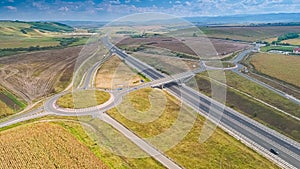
{"points": [[219, 151]]}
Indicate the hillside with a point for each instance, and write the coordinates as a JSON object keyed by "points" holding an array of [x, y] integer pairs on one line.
{"points": [[20, 28], [19, 34]]}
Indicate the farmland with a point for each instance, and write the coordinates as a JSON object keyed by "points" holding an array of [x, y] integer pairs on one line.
{"points": [[61, 143], [18, 37], [5, 110], [83, 99], [295, 41], [282, 67], [203, 47], [237, 100], [220, 150], [281, 48], [248, 33], [10, 103], [37, 74], [44, 145], [26, 34]]}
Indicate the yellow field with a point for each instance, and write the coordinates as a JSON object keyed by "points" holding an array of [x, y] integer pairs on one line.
{"points": [[219, 151], [293, 41], [44, 145], [83, 99], [5, 110], [115, 74], [283, 67], [270, 40]]}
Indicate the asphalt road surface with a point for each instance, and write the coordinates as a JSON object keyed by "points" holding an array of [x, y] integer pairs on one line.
{"points": [[263, 137]]}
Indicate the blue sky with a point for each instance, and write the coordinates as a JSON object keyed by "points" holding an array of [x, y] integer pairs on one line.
{"points": [[103, 10]]}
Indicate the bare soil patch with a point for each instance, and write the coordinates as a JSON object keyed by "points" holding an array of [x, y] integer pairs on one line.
{"points": [[37, 74]]}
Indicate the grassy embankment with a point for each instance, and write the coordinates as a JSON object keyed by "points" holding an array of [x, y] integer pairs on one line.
{"points": [[220, 150], [83, 99], [255, 109]]}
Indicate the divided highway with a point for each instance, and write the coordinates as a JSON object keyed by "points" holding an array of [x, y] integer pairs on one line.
{"points": [[257, 135]]}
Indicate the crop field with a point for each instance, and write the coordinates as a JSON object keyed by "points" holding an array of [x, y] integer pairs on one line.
{"points": [[254, 109], [9, 103], [37, 74], [248, 33], [22, 34], [202, 46], [5, 110], [71, 137], [115, 74], [44, 145], [83, 99], [282, 48], [295, 41], [282, 67], [219, 151]]}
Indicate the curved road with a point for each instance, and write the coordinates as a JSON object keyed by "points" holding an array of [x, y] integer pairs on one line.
{"points": [[255, 135]]}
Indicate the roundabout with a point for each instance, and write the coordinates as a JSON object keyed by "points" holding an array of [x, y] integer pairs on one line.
{"points": [[83, 99]]}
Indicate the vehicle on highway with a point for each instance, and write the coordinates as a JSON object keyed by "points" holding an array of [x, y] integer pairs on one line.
{"points": [[274, 151]]}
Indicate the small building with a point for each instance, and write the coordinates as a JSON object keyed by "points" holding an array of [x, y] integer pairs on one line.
{"points": [[296, 50]]}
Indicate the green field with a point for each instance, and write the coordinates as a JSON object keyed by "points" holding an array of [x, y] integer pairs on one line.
{"points": [[281, 48], [219, 151], [255, 109], [16, 36], [282, 67]]}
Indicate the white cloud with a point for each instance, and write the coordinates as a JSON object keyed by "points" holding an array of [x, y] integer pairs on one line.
{"points": [[12, 8], [117, 2], [188, 3], [40, 5], [64, 9]]}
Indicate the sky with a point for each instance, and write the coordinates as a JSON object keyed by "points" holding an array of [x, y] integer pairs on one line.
{"points": [[106, 10]]}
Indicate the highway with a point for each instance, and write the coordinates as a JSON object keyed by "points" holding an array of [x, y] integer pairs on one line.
{"points": [[250, 132], [262, 137], [50, 108]]}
